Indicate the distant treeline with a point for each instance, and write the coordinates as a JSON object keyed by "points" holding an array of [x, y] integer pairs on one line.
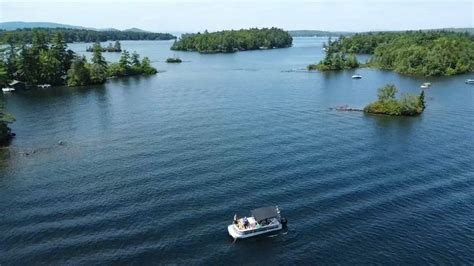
{"points": [[115, 48], [423, 53], [318, 33], [80, 35], [232, 41]]}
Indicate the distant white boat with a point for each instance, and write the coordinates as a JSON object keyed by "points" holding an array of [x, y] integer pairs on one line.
{"points": [[356, 76], [44, 86], [469, 81], [8, 89], [425, 85]]}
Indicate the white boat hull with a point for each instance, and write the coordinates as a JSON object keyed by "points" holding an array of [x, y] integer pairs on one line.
{"points": [[236, 234]]}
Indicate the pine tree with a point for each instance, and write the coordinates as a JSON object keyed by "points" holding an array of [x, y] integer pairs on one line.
{"points": [[78, 74], [98, 69]]}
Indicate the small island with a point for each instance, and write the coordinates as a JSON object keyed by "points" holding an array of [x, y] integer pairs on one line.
{"points": [[114, 48], [174, 60], [418, 53], [83, 73], [230, 41], [388, 104]]}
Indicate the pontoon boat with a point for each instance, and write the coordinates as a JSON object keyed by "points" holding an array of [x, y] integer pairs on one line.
{"points": [[263, 220]]}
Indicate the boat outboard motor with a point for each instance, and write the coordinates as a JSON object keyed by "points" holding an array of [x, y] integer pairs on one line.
{"points": [[283, 221]]}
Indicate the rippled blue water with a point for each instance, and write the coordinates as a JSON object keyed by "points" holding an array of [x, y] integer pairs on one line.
{"points": [[153, 169]]}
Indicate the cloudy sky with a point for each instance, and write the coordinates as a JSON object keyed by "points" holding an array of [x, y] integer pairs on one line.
{"points": [[197, 15]]}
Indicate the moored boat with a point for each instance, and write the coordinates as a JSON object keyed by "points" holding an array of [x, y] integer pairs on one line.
{"points": [[43, 86], [263, 221], [469, 81], [425, 85], [356, 76], [8, 89]]}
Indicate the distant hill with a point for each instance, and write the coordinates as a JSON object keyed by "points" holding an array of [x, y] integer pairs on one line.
{"points": [[136, 30], [13, 25], [107, 29]]}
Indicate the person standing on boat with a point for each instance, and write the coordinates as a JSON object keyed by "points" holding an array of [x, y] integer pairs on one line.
{"points": [[246, 222]]}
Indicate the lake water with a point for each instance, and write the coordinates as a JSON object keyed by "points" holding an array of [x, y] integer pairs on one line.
{"points": [[153, 169]]}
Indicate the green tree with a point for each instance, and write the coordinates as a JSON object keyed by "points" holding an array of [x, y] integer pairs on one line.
{"points": [[125, 60], [97, 57], [28, 65], [117, 46], [61, 53], [147, 68], [78, 74], [135, 59], [98, 69], [387, 93], [39, 41], [51, 68], [3, 70], [352, 61]]}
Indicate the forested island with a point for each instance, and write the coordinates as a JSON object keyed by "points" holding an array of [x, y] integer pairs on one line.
{"points": [[115, 48], [51, 62], [388, 104], [421, 53], [80, 35], [174, 60], [229, 41], [83, 73]]}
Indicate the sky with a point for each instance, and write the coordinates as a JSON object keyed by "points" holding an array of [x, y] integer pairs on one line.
{"points": [[198, 15]]}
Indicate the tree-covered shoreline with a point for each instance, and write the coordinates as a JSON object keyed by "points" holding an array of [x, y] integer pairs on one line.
{"points": [[26, 35], [45, 62], [230, 41], [418, 53], [335, 60]]}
